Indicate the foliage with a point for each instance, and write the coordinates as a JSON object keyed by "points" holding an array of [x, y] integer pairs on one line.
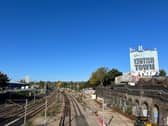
{"points": [[98, 76], [59, 84], [72, 85], [104, 75], [129, 110], [110, 76], [41, 84], [162, 72], [3, 80], [29, 123]]}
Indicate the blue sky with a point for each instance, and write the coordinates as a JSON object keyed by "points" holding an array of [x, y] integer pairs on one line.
{"points": [[69, 39]]}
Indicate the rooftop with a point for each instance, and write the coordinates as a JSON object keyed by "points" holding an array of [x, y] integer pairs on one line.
{"points": [[141, 49]]}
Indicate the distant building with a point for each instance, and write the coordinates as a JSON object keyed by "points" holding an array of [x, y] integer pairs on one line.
{"points": [[17, 85], [27, 79], [144, 62], [124, 78]]}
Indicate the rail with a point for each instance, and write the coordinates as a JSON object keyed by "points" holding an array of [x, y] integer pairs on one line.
{"points": [[32, 110], [66, 112]]}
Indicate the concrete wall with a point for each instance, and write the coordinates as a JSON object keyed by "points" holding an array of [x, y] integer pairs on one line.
{"points": [[156, 110]]}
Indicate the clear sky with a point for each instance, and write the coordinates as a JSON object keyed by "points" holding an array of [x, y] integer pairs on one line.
{"points": [[69, 39]]}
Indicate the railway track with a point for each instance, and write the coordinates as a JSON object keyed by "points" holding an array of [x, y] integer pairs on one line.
{"points": [[75, 106], [72, 114], [14, 112], [11, 115], [66, 116], [4, 109], [17, 118]]}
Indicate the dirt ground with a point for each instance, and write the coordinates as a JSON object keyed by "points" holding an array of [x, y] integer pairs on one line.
{"points": [[116, 118], [53, 114]]}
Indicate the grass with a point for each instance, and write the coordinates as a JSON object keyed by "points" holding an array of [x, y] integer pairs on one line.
{"points": [[129, 110], [29, 123], [53, 110]]}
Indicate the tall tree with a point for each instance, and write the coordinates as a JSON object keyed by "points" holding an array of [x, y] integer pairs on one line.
{"points": [[59, 84], [97, 77], [3, 80], [162, 73], [110, 76]]}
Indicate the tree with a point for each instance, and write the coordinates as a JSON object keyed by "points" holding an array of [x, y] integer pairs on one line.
{"points": [[3, 80], [103, 75], [162, 73], [110, 76], [59, 84], [98, 76]]}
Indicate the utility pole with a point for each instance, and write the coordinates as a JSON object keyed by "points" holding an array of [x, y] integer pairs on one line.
{"points": [[45, 123], [34, 95], [78, 87], [102, 103], [103, 111], [45, 112], [45, 88], [25, 113]]}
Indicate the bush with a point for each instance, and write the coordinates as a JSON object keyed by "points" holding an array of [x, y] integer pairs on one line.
{"points": [[129, 110], [29, 123]]}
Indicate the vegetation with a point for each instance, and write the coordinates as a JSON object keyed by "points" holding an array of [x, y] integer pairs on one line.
{"points": [[104, 76], [3, 80], [43, 84], [162, 73], [110, 76], [29, 123], [98, 76], [129, 110], [70, 84]]}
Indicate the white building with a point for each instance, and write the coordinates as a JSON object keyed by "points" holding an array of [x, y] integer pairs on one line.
{"points": [[27, 79], [125, 77], [143, 62]]}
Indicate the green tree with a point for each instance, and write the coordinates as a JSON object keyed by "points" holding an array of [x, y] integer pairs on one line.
{"points": [[41, 84], [59, 84], [162, 72], [3, 80], [98, 76], [110, 76]]}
